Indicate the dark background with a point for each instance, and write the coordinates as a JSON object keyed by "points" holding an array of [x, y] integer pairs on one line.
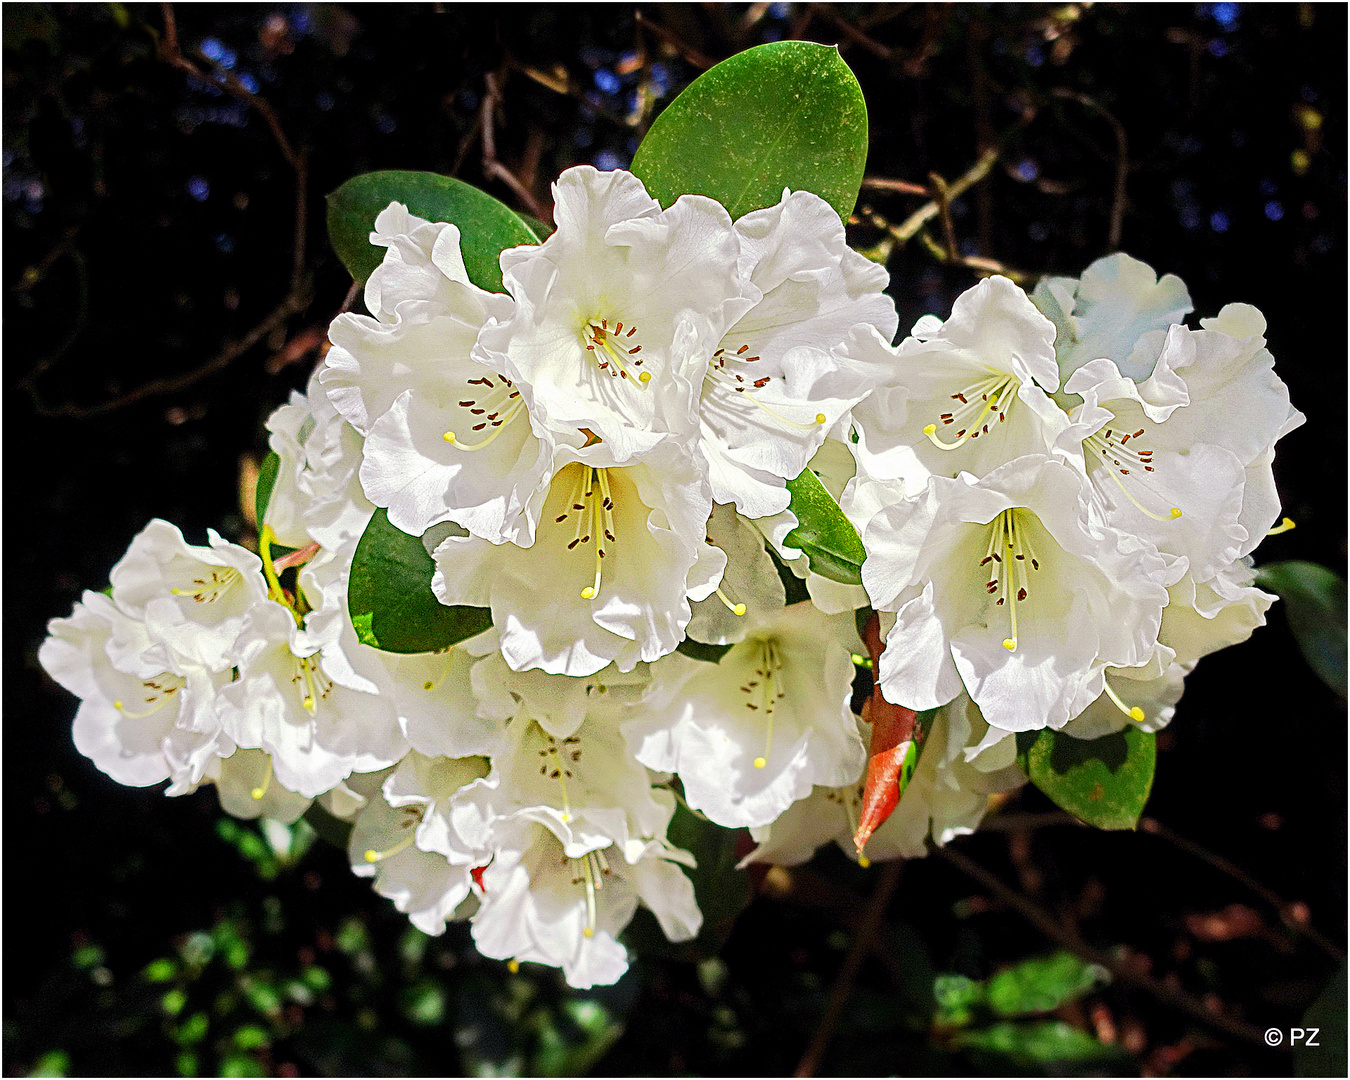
{"points": [[149, 218]]}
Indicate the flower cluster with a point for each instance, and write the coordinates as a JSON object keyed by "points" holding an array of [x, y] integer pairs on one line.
{"points": [[1057, 495]]}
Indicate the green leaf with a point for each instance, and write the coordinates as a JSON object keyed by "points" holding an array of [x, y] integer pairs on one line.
{"points": [[267, 480], [1104, 782], [52, 1063], [1042, 983], [1038, 1046], [390, 598], [787, 114], [486, 226], [823, 533], [1327, 1014], [1314, 604]]}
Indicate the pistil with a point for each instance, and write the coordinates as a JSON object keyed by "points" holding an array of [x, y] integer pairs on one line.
{"points": [[1010, 551], [614, 350]]}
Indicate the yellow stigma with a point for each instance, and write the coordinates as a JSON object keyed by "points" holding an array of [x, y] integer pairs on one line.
{"points": [[864, 861], [930, 429], [1134, 712], [645, 377], [449, 436], [1283, 527], [760, 763], [1010, 643], [513, 966], [735, 609], [820, 418], [1175, 512], [373, 856], [117, 705], [428, 685], [261, 790], [588, 593]]}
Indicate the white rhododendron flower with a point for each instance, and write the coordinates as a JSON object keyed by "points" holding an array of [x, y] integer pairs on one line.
{"points": [[194, 596], [619, 554], [317, 497], [140, 706], [1056, 498], [618, 312], [789, 368], [1004, 587], [752, 734], [317, 731], [405, 838], [967, 394], [540, 904], [447, 439]]}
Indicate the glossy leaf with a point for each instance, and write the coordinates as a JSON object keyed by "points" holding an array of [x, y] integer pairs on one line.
{"points": [[1044, 1047], [1324, 1054], [1037, 985], [1104, 782], [1041, 984], [1314, 604], [390, 598], [267, 480], [787, 114], [486, 226], [823, 533]]}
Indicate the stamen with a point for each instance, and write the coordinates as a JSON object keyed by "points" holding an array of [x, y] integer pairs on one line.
{"points": [[769, 695], [591, 886], [1134, 712], [261, 790], [496, 417], [209, 590], [311, 681], [717, 376], [1283, 527], [556, 769], [611, 356], [1010, 551], [604, 533], [1120, 460], [162, 689], [993, 395]]}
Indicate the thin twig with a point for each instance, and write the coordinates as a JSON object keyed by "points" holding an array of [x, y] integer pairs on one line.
{"points": [[848, 973], [955, 189], [296, 298], [850, 31], [944, 201], [1225, 866], [289, 306], [1057, 931], [1122, 162], [688, 52], [904, 187], [491, 166]]}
